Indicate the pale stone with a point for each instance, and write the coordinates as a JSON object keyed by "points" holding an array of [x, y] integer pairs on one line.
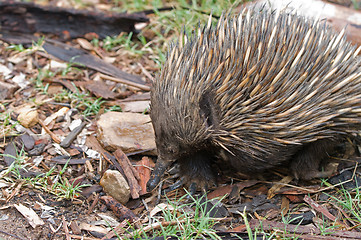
{"points": [[28, 118], [116, 186]]}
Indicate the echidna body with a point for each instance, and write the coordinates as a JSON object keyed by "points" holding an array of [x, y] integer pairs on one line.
{"points": [[256, 91]]}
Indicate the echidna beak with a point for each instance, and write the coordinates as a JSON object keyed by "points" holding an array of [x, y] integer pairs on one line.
{"points": [[157, 173]]}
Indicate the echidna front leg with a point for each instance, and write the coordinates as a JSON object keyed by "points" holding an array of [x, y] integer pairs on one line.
{"points": [[307, 161], [196, 169], [157, 173]]}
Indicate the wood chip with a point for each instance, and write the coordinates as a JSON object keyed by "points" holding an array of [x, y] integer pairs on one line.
{"points": [[119, 209], [130, 173], [143, 167], [30, 215], [272, 191], [322, 209]]}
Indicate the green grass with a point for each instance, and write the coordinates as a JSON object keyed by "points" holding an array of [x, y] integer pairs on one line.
{"points": [[165, 25], [326, 228], [86, 104], [356, 4], [19, 163], [189, 219], [42, 75], [36, 46], [274, 234], [7, 126], [349, 201], [114, 108], [55, 183]]}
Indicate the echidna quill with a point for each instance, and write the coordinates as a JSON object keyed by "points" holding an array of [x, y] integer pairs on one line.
{"points": [[257, 91]]}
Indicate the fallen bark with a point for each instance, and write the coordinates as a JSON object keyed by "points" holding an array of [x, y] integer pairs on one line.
{"points": [[67, 23]]}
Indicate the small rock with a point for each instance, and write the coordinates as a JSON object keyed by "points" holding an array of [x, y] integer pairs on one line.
{"points": [[302, 218], [116, 186], [344, 178], [214, 208], [128, 131], [28, 141], [28, 118]]}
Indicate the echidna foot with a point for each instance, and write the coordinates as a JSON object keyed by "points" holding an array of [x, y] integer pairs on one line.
{"points": [[308, 160], [193, 186], [325, 173], [179, 183]]}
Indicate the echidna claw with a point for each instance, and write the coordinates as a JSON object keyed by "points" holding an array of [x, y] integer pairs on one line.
{"points": [[176, 185], [192, 188]]}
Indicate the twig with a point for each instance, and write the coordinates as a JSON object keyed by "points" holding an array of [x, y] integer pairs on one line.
{"points": [[66, 230], [345, 214], [159, 225], [137, 85], [323, 210], [52, 135], [130, 173], [146, 73], [12, 235], [96, 200]]}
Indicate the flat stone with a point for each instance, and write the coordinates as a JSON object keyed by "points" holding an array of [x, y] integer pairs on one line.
{"points": [[129, 131]]}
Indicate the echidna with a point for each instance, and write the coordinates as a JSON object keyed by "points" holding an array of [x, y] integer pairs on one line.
{"points": [[260, 89]]}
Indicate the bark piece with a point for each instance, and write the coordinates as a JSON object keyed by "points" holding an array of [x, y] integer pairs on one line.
{"points": [[28, 141], [129, 171], [76, 56], [118, 209], [72, 135], [31, 18], [143, 167]]}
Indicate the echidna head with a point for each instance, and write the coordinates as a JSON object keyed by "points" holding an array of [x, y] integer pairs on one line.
{"points": [[182, 131], [181, 128]]}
